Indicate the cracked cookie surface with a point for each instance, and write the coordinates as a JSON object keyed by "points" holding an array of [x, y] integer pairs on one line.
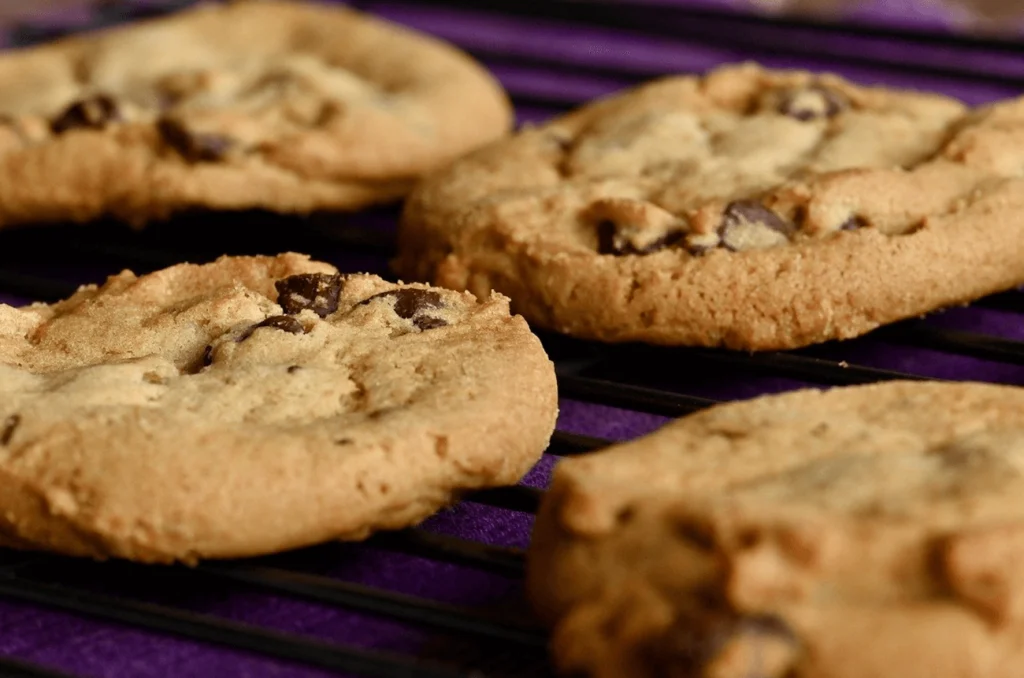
{"points": [[747, 208], [287, 106], [862, 531], [256, 404]]}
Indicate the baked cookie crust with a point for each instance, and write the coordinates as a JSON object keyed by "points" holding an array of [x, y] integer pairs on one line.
{"points": [[747, 208], [257, 404], [864, 531], [293, 107]]}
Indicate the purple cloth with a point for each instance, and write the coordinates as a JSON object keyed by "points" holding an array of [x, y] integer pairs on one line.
{"points": [[549, 64]]}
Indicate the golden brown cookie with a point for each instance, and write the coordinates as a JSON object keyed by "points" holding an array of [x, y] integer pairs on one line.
{"points": [[284, 106], [748, 208], [257, 404], [865, 531]]}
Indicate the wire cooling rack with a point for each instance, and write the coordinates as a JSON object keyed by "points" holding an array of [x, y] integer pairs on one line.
{"points": [[550, 56]]}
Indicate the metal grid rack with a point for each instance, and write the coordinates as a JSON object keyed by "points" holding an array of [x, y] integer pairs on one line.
{"points": [[46, 264]]}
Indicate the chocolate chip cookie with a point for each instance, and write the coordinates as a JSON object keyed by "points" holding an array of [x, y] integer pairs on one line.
{"points": [[285, 106], [747, 208], [257, 404], [864, 531]]}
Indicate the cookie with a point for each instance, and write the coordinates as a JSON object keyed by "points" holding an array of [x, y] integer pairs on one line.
{"points": [[864, 531], [257, 404], [289, 107], [748, 209]]}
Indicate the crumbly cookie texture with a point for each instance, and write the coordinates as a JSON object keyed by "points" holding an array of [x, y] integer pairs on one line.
{"points": [[863, 531], [286, 106], [747, 208], [257, 404]]}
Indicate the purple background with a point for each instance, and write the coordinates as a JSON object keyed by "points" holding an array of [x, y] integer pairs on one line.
{"points": [[547, 65]]}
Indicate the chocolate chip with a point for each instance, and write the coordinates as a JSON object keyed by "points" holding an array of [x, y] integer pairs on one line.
{"points": [[194, 146], [748, 212], [428, 323], [610, 242], [10, 424], [208, 356], [92, 113], [318, 292], [699, 635], [701, 536], [411, 303], [292, 369], [853, 223], [815, 101], [285, 323]]}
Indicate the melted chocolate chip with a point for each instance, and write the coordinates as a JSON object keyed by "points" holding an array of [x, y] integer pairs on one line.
{"points": [[92, 113], [318, 292], [812, 102], [7, 431], [411, 303], [292, 369], [608, 243], [285, 323], [750, 212], [194, 146]]}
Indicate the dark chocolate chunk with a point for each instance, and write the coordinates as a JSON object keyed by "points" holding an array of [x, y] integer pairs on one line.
{"points": [[10, 424], [751, 212], [411, 303], [285, 323], [93, 113], [194, 146], [824, 102], [318, 292], [609, 243], [292, 369]]}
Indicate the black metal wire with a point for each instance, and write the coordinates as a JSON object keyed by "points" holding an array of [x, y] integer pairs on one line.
{"points": [[520, 498], [497, 559], [12, 668], [921, 335], [705, 28], [567, 444], [637, 398], [405, 608], [1011, 302], [219, 631], [796, 366]]}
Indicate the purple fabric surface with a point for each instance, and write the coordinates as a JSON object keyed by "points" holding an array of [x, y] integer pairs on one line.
{"points": [[549, 64], [921, 15]]}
